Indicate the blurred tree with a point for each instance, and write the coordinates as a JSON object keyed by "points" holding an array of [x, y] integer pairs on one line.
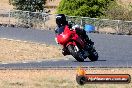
{"points": [[86, 8], [29, 5], [118, 12]]}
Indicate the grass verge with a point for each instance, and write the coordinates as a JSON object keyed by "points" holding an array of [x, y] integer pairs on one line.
{"points": [[55, 78], [12, 50]]}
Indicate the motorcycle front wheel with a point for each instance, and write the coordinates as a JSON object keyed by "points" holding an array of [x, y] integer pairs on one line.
{"points": [[77, 55]]}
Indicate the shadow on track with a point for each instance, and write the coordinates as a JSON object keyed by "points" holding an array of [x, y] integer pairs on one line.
{"points": [[93, 61]]}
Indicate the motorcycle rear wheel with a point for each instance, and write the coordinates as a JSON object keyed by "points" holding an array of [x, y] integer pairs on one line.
{"points": [[75, 54], [93, 55]]}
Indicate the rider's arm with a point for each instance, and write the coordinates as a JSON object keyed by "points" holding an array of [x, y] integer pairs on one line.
{"points": [[59, 30], [56, 30], [56, 33]]}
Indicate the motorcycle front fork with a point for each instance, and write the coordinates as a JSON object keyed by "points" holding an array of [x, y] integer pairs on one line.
{"points": [[83, 53], [76, 49]]}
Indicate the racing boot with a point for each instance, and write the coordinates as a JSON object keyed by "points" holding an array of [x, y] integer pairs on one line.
{"points": [[89, 41], [89, 44]]}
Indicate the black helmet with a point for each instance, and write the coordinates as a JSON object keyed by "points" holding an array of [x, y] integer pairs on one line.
{"points": [[61, 20]]}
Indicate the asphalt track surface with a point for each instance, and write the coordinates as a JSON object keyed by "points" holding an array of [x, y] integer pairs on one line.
{"points": [[114, 50]]}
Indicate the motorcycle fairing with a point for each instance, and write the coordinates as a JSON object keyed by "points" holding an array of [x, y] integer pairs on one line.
{"points": [[68, 36]]}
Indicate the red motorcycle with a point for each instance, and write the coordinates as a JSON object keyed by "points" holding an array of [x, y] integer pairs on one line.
{"points": [[76, 46]]}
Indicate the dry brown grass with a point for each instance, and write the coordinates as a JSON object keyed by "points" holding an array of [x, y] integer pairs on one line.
{"points": [[107, 30], [4, 4], [21, 51], [53, 2], [124, 1], [54, 79]]}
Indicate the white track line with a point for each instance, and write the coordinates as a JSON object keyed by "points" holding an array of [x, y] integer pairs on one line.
{"points": [[25, 62], [4, 63], [23, 41]]}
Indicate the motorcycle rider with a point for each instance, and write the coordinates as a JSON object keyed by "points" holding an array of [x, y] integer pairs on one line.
{"points": [[61, 23]]}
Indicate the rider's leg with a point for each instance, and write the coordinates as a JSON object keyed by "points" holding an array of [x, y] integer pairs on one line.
{"points": [[82, 33]]}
